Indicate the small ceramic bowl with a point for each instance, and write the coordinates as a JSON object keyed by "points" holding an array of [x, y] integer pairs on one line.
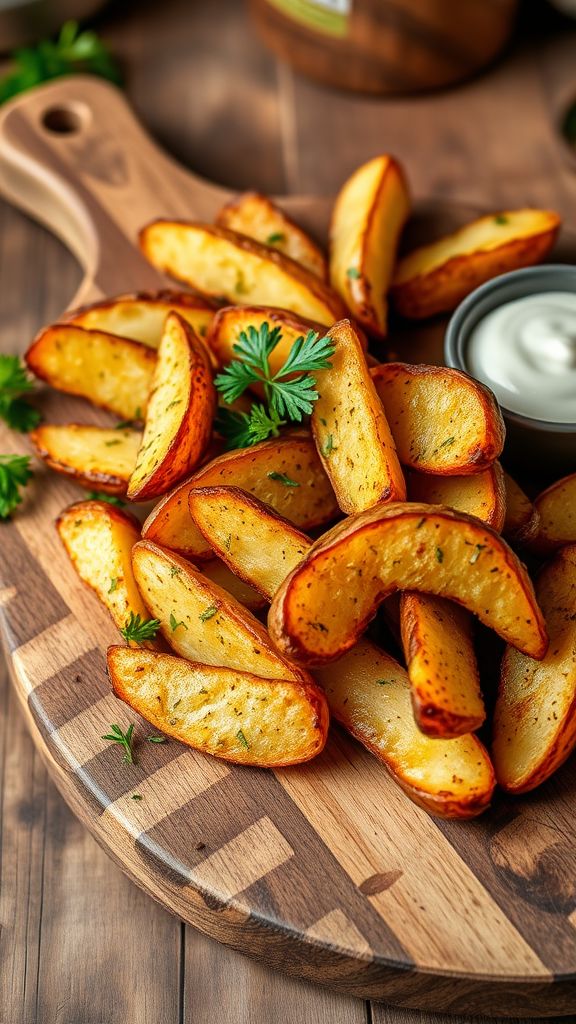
{"points": [[530, 442]]}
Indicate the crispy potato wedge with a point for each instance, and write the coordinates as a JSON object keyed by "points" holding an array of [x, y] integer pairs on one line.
{"points": [[219, 573], [325, 604], [231, 519], [535, 715], [442, 668], [436, 277], [256, 216], [522, 520], [236, 716], [203, 622], [442, 420], [369, 214], [91, 456], [227, 265], [141, 316], [482, 495], [114, 373], [99, 538], [180, 412], [369, 693], [350, 428], [269, 471], [556, 509]]}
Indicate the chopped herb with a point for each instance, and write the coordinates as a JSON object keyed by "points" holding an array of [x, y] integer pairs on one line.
{"points": [[114, 581], [138, 630], [421, 522], [15, 382], [383, 682], [174, 624], [283, 479], [138, 413], [500, 218], [176, 401], [240, 286], [15, 473], [353, 273], [176, 703], [240, 736], [477, 553], [328, 446], [228, 542], [209, 613], [110, 444], [101, 496], [175, 570], [449, 440], [136, 796], [276, 236], [242, 429], [156, 739], [124, 425], [323, 422], [439, 555], [124, 739]]}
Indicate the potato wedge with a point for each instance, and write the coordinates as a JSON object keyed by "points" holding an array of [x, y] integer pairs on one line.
{"points": [[522, 520], [442, 420], [535, 715], [91, 456], [141, 316], [217, 571], [436, 277], [233, 715], [442, 668], [269, 471], [203, 622], [482, 494], [256, 216], [99, 538], [325, 604], [369, 214], [231, 519], [223, 264], [180, 412], [369, 693], [556, 508], [114, 373], [350, 428]]}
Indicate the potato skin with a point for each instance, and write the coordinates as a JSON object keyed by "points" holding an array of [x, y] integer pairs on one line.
{"points": [[522, 520], [556, 510]]}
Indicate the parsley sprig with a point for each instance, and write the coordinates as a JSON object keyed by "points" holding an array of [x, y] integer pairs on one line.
{"points": [[289, 392], [15, 382], [138, 630], [116, 735], [15, 472]]}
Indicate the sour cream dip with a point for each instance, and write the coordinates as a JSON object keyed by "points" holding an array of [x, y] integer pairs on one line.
{"points": [[525, 351]]}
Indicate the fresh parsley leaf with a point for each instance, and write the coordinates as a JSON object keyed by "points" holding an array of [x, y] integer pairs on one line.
{"points": [[242, 429], [101, 496], [138, 630], [208, 613], [174, 623], [116, 735], [15, 382], [283, 479], [15, 472]]}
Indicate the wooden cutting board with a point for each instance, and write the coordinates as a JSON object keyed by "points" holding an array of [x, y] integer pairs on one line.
{"points": [[327, 870]]}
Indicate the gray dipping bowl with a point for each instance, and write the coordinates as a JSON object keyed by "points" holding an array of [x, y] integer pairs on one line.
{"points": [[531, 443]]}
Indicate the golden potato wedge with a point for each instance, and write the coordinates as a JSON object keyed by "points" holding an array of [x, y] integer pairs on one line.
{"points": [[369, 214], [442, 420], [141, 316], [556, 509], [223, 264], [325, 604], [285, 473], [436, 277], [256, 216], [350, 428], [114, 373], [369, 693], [442, 668], [253, 541], [482, 495], [203, 622], [91, 456], [99, 538], [217, 571], [181, 409], [522, 520], [236, 716], [535, 715]]}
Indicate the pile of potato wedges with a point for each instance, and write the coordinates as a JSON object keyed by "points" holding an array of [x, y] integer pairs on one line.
{"points": [[259, 569]]}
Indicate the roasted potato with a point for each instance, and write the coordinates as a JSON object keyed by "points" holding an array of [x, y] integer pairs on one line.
{"points": [[535, 715], [369, 214], [442, 668], [234, 715], [180, 412], [556, 509], [111, 372], [442, 420], [369, 693], [482, 494], [325, 604], [285, 473], [141, 316], [203, 622], [350, 428], [217, 571], [253, 541], [99, 538], [91, 456], [436, 277], [256, 216], [522, 520], [223, 264]]}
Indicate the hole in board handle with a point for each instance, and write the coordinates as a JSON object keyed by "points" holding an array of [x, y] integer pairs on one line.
{"points": [[64, 120]]}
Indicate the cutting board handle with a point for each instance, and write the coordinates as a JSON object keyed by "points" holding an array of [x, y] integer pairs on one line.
{"points": [[73, 156]]}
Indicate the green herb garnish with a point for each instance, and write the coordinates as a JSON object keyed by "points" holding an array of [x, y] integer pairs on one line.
{"points": [[328, 446], [383, 682], [114, 581], [15, 382], [138, 630], [439, 555], [136, 796], [209, 613], [275, 237], [240, 736], [124, 739], [477, 553], [156, 739], [500, 218], [111, 444], [174, 623], [353, 273], [175, 570], [15, 472], [101, 496], [242, 429], [283, 479]]}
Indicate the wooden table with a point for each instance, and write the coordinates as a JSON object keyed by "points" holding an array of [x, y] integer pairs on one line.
{"points": [[79, 944]]}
